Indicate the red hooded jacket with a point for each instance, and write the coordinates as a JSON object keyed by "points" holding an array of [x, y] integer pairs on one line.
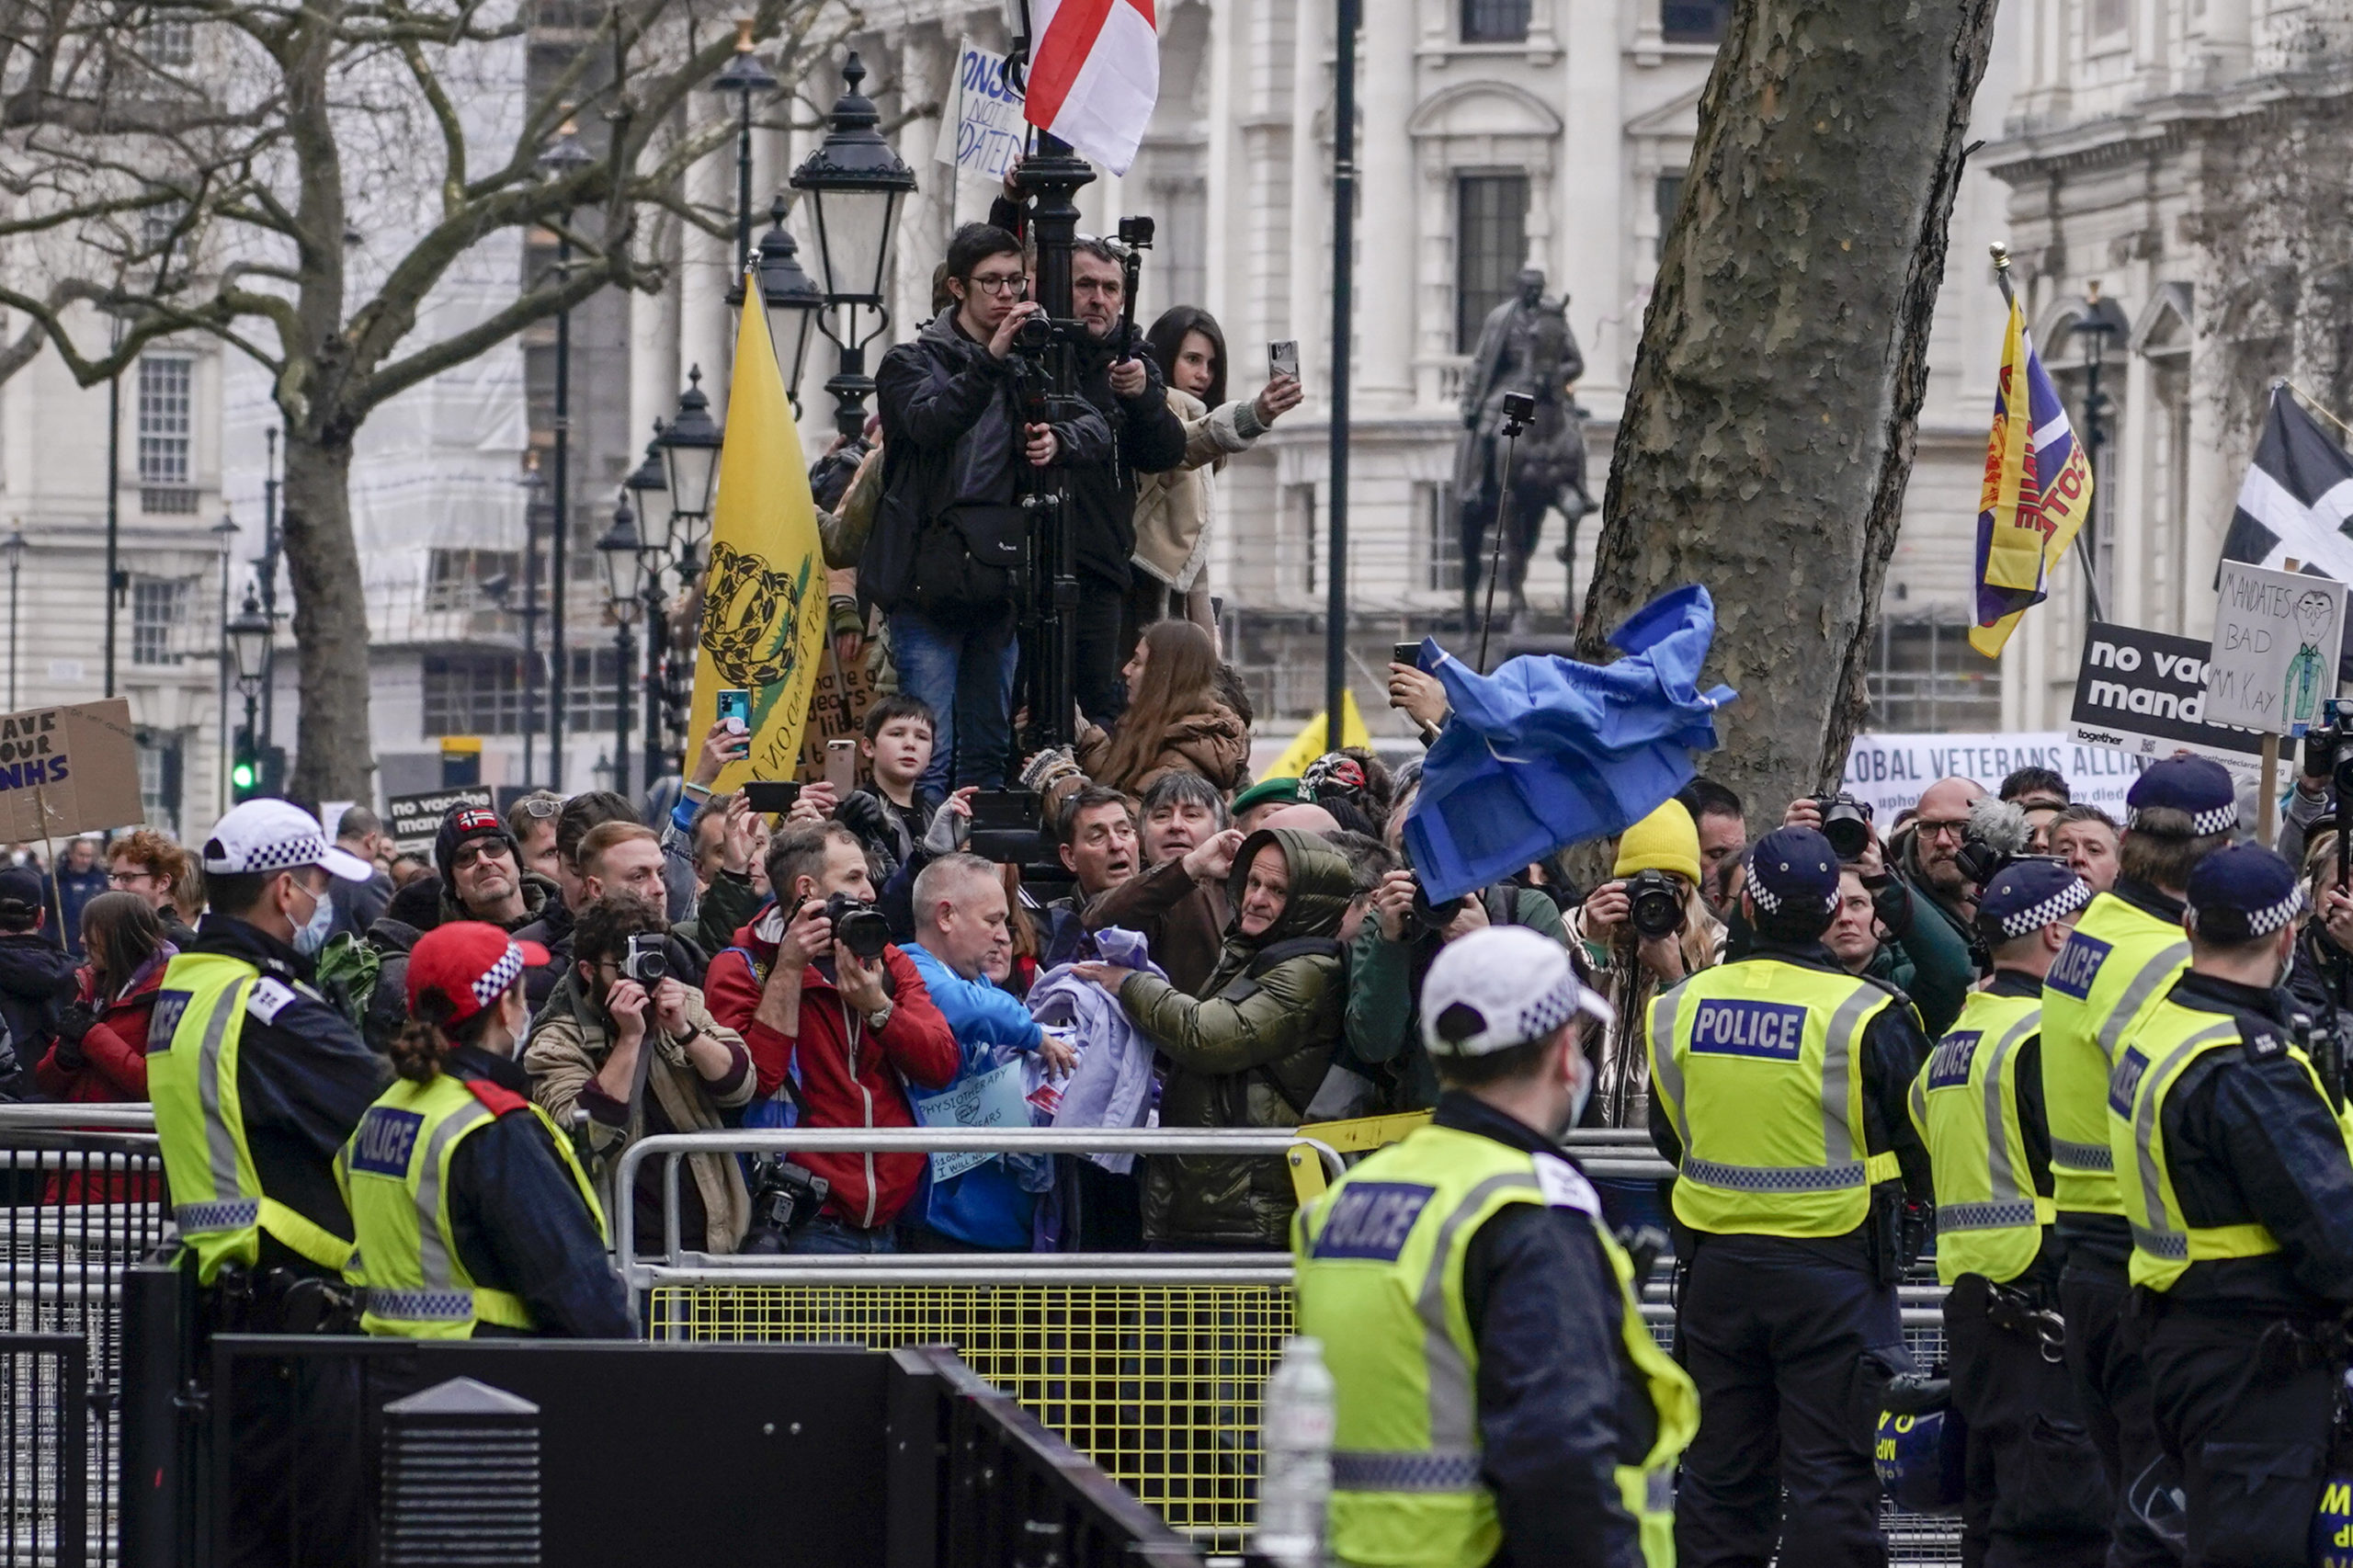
{"points": [[848, 1075]]}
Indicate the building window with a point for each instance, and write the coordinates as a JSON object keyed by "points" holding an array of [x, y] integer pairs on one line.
{"points": [[165, 386], [161, 757], [1925, 680], [593, 691], [1666, 196], [168, 42], [1490, 243], [1440, 546], [473, 694], [158, 610], [454, 579], [1693, 21], [1495, 21]]}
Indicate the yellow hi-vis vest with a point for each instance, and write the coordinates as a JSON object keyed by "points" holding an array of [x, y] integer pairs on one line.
{"points": [[1380, 1282], [216, 1201], [395, 1175], [1965, 1103], [2154, 1058], [1755, 1064], [2115, 967]]}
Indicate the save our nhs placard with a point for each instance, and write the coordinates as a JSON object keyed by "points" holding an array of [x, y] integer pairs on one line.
{"points": [[1890, 771], [981, 128]]}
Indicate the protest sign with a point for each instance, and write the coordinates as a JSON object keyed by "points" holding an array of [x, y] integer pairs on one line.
{"points": [[2145, 692], [992, 1100], [1890, 771], [68, 769], [981, 131], [2275, 637], [414, 821], [835, 713]]}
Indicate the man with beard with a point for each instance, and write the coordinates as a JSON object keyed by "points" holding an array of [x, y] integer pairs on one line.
{"points": [[482, 878], [1927, 853]]}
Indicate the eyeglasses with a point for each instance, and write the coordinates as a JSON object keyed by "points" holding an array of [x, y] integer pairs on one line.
{"points": [[1941, 829], [539, 806], [1013, 285], [474, 854]]}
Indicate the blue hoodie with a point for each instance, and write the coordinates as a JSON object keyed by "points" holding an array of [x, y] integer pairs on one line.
{"points": [[985, 1206]]}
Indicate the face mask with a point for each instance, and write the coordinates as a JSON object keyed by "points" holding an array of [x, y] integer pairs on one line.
{"points": [[312, 936], [1581, 1094]]}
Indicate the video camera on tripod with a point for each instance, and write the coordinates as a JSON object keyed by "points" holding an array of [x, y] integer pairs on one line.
{"points": [[2326, 756]]}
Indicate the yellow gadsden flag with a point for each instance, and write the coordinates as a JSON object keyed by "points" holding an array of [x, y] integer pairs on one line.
{"points": [[1308, 744], [764, 598]]}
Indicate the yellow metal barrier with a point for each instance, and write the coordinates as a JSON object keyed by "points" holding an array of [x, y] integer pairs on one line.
{"points": [[1158, 1384], [1360, 1135]]}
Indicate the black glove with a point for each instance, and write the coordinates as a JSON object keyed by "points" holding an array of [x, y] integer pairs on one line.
{"points": [[73, 1022], [862, 814]]}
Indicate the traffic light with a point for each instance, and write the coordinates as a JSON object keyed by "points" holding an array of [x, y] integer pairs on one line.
{"points": [[245, 773]]}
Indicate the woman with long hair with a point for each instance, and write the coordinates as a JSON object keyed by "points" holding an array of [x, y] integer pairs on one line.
{"points": [[100, 1051], [1175, 720], [456, 1151], [1174, 509]]}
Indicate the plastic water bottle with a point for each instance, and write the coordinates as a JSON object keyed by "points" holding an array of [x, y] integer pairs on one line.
{"points": [[1295, 1456]]}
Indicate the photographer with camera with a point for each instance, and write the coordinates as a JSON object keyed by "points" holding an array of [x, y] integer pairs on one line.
{"points": [[838, 1022], [2326, 778], [1394, 951], [1915, 879], [943, 559], [1644, 931], [625, 1040]]}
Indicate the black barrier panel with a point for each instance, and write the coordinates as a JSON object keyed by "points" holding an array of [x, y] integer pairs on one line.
{"points": [[710, 1455], [44, 1467]]}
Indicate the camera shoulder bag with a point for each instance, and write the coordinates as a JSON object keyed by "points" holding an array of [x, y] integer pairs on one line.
{"points": [[968, 557]]}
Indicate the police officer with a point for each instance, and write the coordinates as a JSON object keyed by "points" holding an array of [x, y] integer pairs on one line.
{"points": [[473, 1215], [2034, 1491], [256, 1080], [1778, 1088], [1498, 1397], [2128, 948], [2238, 1186]]}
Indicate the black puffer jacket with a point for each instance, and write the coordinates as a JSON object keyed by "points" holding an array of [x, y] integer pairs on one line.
{"points": [[392, 939], [36, 982], [1249, 1051]]}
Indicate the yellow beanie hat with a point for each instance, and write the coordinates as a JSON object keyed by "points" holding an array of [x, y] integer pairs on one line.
{"points": [[1665, 840]]}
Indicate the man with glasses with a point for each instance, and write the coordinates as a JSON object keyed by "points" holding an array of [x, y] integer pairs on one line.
{"points": [[1926, 862], [530, 823], [960, 450]]}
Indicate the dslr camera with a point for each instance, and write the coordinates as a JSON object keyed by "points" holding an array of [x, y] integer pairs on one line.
{"points": [[2326, 754], [645, 962], [857, 926], [1655, 901], [1846, 822], [785, 1196]]}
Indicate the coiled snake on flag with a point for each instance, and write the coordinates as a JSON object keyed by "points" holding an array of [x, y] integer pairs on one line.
{"points": [[752, 618]]}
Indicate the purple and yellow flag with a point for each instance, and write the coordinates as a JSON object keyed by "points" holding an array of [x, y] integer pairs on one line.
{"points": [[2037, 491]]}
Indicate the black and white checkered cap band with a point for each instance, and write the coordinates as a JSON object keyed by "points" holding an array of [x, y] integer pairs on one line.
{"points": [[2214, 819], [492, 984], [1534, 1020], [2255, 922], [2058, 906], [305, 849], [1771, 902]]}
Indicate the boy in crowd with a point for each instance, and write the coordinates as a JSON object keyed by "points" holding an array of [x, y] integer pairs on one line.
{"points": [[890, 814]]}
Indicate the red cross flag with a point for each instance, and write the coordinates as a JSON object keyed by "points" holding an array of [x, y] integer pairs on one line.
{"points": [[1093, 75]]}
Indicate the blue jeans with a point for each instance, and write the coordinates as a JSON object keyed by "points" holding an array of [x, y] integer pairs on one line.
{"points": [[827, 1235], [964, 671]]}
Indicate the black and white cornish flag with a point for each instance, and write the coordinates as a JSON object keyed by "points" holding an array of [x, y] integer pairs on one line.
{"points": [[2296, 503]]}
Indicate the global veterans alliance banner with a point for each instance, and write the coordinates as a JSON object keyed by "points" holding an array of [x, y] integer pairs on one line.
{"points": [[1890, 771]]}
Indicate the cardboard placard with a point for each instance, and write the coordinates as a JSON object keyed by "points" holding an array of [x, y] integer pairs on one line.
{"points": [[414, 821], [68, 769], [981, 127], [2275, 641], [990, 1099], [835, 714], [2144, 692]]}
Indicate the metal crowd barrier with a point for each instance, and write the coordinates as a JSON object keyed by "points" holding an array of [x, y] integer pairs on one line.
{"points": [[84, 1198]]}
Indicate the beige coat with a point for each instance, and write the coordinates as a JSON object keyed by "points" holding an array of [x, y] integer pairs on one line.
{"points": [[567, 1047], [1621, 1086], [1174, 509]]}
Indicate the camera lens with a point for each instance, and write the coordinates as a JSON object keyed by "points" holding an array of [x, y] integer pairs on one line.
{"points": [[1654, 904], [1845, 823]]}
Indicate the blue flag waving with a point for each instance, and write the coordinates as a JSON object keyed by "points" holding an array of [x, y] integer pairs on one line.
{"points": [[1547, 752]]}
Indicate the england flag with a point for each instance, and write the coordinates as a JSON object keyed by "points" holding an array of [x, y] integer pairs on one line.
{"points": [[1094, 76], [2296, 503]]}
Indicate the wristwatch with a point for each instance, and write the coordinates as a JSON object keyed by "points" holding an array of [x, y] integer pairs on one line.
{"points": [[880, 1016]]}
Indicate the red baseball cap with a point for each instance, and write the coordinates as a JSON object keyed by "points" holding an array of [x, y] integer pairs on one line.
{"points": [[470, 963]]}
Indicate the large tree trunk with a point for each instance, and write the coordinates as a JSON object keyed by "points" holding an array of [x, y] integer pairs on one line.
{"points": [[335, 757], [1769, 428]]}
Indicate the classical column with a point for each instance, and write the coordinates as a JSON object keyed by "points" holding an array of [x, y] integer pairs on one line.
{"points": [[1385, 156]]}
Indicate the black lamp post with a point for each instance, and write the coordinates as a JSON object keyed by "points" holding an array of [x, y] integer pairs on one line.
{"points": [[563, 158], [691, 462], [650, 486], [2101, 320], [745, 77], [791, 302], [225, 530], [855, 184], [15, 547], [251, 636], [622, 554], [271, 543]]}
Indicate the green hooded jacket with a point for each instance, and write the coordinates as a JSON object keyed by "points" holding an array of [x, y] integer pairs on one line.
{"points": [[1250, 1051]]}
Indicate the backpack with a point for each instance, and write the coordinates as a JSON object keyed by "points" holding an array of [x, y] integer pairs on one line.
{"points": [[969, 558]]}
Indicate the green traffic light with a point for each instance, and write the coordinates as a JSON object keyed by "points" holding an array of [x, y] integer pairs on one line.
{"points": [[243, 774]]}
